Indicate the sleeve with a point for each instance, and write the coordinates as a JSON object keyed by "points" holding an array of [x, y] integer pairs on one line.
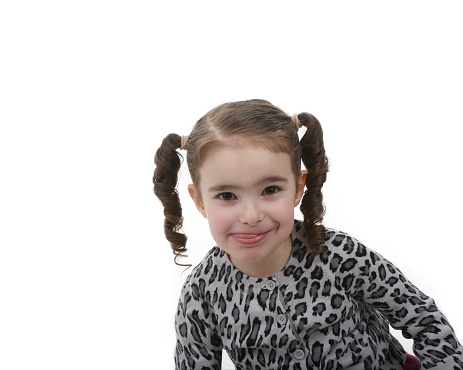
{"points": [[384, 287], [199, 345]]}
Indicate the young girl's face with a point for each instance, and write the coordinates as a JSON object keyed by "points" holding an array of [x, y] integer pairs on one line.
{"points": [[248, 195]]}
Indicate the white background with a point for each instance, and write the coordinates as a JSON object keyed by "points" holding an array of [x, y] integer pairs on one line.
{"points": [[90, 88]]}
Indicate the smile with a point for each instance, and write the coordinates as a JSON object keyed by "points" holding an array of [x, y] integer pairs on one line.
{"points": [[250, 239]]}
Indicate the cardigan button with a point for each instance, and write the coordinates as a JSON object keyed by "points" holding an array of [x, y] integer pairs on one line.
{"points": [[281, 319], [270, 285], [299, 354]]}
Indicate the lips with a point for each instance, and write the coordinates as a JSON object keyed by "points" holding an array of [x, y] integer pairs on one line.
{"points": [[250, 239]]}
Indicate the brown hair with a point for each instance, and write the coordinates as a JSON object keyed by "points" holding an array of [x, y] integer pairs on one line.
{"points": [[262, 124]]}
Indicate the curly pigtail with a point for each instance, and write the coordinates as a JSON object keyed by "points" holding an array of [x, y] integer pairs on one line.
{"points": [[316, 163], [168, 162]]}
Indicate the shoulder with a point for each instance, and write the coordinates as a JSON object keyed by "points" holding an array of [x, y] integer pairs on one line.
{"points": [[213, 258], [213, 269], [343, 252], [336, 241], [346, 255], [344, 243]]}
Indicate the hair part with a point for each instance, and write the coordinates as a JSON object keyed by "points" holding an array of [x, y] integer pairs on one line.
{"points": [[255, 122]]}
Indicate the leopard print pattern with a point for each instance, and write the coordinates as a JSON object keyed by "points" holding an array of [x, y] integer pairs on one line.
{"points": [[326, 311]]}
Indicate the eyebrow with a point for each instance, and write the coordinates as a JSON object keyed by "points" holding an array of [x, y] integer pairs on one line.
{"points": [[267, 180]]}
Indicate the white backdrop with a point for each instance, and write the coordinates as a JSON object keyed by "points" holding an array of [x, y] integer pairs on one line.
{"points": [[90, 88]]}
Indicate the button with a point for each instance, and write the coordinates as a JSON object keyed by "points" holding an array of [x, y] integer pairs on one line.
{"points": [[299, 354], [270, 285], [281, 319]]}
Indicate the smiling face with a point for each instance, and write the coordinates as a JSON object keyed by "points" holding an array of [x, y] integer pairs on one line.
{"points": [[248, 195]]}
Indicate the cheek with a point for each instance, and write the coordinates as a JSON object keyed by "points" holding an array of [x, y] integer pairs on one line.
{"points": [[285, 209], [219, 222], [287, 218]]}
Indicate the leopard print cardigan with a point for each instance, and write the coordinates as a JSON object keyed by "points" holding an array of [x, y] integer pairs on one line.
{"points": [[326, 311]]}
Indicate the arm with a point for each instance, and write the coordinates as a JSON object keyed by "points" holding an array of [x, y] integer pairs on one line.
{"points": [[199, 345], [383, 286]]}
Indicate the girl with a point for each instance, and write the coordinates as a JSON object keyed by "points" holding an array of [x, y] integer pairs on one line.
{"points": [[278, 293]]}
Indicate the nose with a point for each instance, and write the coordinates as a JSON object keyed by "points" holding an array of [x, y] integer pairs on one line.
{"points": [[251, 213]]}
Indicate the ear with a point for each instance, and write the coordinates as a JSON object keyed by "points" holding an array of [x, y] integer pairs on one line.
{"points": [[194, 194], [300, 187]]}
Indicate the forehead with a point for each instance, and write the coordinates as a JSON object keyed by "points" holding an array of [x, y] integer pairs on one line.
{"points": [[243, 166]]}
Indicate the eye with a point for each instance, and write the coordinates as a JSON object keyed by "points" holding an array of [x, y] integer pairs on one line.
{"points": [[271, 190], [226, 196]]}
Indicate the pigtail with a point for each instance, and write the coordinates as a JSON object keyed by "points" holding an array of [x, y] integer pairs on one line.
{"points": [[316, 163], [168, 162]]}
